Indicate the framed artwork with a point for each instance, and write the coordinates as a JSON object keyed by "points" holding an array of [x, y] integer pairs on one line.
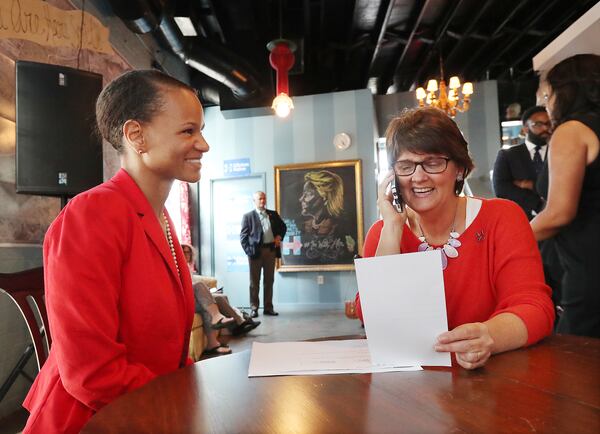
{"points": [[321, 204]]}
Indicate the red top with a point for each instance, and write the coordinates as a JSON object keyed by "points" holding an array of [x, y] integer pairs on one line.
{"points": [[498, 269], [119, 313]]}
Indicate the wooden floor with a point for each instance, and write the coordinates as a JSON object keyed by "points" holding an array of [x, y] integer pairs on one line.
{"points": [[293, 324]]}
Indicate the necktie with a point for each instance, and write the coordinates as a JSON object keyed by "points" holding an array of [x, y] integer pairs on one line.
{"points": [[538, 163]]}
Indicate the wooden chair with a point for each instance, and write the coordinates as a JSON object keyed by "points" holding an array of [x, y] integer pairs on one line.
{"points": [[20, 288]]}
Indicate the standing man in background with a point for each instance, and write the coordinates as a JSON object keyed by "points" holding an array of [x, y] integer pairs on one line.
{"points": [[261, 235], [517, 168], [515, 174]]}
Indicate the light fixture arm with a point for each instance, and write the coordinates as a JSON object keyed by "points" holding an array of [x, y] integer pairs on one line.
{"points": [[282, 59]]}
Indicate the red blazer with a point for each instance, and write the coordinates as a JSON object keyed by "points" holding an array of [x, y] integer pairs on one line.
{"points": [[119, 313]]}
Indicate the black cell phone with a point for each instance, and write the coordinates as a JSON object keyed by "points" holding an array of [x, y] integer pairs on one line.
{"points": [[397, 197]]}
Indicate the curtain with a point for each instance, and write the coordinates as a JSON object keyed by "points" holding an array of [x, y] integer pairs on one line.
{"points": [[184, 208]]}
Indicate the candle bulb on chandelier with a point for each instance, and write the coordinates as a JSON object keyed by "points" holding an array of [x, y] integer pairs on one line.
{"points": [[444, 97]]}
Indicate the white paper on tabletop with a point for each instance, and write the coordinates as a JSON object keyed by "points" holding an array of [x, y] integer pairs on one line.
{"points": [[315, 358], [404, 307]]}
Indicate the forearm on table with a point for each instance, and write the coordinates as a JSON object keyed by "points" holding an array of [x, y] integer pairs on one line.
{"points": [[389, 241], [508, 331]]}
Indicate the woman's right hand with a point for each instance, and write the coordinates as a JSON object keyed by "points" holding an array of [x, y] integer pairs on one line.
{"points": [[388, 211]]}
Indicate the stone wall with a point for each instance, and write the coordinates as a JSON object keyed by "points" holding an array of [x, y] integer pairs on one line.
{"points": [[24, 219]]}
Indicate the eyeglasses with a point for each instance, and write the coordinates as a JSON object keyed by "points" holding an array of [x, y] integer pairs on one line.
{"points": [[431, 166], [538, 124]]}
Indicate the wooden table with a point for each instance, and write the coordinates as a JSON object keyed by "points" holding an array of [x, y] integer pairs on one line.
{"points": [[551, 387]]}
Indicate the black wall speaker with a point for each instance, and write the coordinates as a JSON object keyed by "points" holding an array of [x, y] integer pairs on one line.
{"points": [[58, 150]]}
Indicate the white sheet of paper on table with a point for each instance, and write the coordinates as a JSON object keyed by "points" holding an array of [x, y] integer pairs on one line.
{"points": [[404, 307], [315, 358]]}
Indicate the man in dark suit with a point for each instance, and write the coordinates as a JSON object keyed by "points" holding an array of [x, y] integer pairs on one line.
{"points": [[515, 173], [261, 235], [517, 168]]}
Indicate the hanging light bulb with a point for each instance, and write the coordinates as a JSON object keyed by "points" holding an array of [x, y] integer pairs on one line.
{"points": [[454, 83], [282, 104], [282, 59]]}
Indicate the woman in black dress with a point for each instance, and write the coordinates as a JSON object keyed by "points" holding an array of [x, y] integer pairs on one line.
{"points": [[572, 185]]}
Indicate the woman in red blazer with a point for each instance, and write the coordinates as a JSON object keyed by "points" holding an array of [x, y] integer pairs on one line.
{"points": [[118, 292]]}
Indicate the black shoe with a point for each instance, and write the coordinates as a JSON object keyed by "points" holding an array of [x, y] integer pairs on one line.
{"points": [[254, 313], [245, 327], [271, 312]]}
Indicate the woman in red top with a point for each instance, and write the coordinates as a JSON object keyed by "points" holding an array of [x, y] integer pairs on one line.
{"points": [[118, 290], [495, 292]]}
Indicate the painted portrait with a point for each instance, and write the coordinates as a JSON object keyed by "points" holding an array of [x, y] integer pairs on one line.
{"points": [[321, 204]]}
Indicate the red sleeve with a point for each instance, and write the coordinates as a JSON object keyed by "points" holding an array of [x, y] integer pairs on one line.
{"points": [[369, 249], [518, 274], [84, 252]]}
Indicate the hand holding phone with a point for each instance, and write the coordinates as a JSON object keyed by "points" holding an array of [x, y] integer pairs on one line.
{"points": [[396, 196]]}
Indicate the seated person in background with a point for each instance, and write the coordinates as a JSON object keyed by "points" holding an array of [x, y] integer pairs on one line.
{"points": [[212, 320], [190, 257], [496, 297], [216, 307], [242, 320]]}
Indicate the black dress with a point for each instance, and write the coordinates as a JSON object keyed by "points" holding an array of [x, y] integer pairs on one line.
{"points": [[578, 248]]}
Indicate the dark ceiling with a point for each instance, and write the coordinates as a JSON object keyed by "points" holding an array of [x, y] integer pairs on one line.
{"points": [[384, 45]]}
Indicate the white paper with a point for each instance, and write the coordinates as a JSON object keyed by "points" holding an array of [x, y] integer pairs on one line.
{"points": [[315, 358], [404, 307]]}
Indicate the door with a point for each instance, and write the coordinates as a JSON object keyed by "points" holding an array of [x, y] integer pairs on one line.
{"points": [[231, 198]]}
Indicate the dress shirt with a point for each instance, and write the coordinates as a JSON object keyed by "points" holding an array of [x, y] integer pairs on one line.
{"points": [[266, 225], [531, 149]]}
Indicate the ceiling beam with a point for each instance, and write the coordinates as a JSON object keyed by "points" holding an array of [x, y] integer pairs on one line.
{"points": [[349, 82], [383, 18], [450, 14], [532, 20], [416, 17], [495, 34], [474, 21], [542, 42]]}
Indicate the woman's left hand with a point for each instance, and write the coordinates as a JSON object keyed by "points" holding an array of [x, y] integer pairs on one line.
{"points": [[471, 342]]}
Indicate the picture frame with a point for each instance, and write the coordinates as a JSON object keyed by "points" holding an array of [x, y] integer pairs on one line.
{"points": [[321, 204]]}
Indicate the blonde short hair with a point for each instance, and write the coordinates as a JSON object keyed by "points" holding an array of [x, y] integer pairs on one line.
{"points": [[330, 187]]}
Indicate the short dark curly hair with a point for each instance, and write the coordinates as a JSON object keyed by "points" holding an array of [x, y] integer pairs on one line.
{"points": [[428, 131], [133, 95], [531, 111]]}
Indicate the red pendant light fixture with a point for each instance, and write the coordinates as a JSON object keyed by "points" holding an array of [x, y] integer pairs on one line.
{"points": [[282, 59]]}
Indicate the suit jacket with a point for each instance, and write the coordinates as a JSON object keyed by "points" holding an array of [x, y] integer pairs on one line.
{"points": [[252, 232], [119, 313], [513, 164]]}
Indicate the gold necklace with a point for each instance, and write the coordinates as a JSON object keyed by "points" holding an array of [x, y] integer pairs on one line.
{"points": [[170, 240]]}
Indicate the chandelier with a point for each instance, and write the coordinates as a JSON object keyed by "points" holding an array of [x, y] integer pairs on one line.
{"points": [[446, 97]]}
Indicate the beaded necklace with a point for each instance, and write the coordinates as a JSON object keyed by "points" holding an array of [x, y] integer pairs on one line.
{"points": [[449, 249], [170, 240]]}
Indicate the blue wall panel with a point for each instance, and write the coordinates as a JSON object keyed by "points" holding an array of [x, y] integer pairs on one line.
{"points": [[306, 136]]}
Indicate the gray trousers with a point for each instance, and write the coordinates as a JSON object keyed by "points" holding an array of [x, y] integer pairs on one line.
{"points": [[204, 299], [266, 262], [227, 309]]}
